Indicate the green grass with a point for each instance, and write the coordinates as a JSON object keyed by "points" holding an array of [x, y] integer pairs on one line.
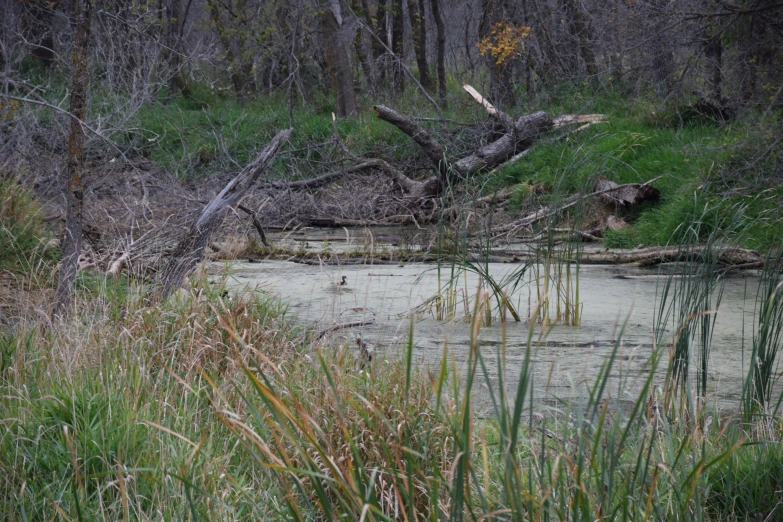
{"points": [[197, 136], [641, 142]]}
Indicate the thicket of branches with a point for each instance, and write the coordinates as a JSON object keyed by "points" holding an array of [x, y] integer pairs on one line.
{"points": [[140, 48]]}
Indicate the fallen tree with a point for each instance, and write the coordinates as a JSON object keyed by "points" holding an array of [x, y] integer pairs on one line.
{"points": [[650, 256], [517, 137], [525, 131], [190, 249], [730, 257]]}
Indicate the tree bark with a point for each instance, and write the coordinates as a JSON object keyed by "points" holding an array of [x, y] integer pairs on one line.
{"points": [[397, 45], [191, 249], [441, 31], [74, 194], [176, 14], [416, 13], [337, 61], [579, 26], [714, 54]]}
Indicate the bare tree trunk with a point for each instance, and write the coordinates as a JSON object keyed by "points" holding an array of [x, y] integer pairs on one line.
{"points": [[397, 45], [337, 60], [662, 57], [714, 53], [191, 249], [582, 34], [232, 38], [176, 15], [501, 90], [365, 58], [441, 30], [377, 23], [417, 17], [74, 194]]}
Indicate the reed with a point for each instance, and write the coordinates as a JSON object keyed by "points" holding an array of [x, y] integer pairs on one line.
{"points": [[757, 394], [688, 302]]}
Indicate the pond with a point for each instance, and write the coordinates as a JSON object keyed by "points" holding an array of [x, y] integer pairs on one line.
{"points": [[618, 304]]}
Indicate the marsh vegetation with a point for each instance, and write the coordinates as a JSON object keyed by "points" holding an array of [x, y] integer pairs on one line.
{"points": [[386, 260]]}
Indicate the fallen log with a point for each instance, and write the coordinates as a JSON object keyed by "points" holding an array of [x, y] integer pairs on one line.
{"points": [[731, 258], [331, 222], [650, 256], [522, 134], [190, 250]]}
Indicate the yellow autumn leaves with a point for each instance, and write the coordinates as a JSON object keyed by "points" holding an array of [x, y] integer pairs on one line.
{"points": [[504, 42]]}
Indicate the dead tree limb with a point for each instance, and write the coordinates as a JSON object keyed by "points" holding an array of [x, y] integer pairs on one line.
{"points": [[408, 185], [191, 249], [256, 224], [431, 148], [546, 212], [521, 135], [729, 256], [493, 112]]}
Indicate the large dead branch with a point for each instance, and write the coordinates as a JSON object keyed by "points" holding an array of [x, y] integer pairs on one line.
{"points": [[493, 112], [520, 135], [431, 148], [730, 256], [546, 212], [191, 249]]}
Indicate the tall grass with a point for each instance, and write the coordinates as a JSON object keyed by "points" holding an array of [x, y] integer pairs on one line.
{"points": [[757, 395], [109, 418], [22, 234], [688, 302], [587, 460]]}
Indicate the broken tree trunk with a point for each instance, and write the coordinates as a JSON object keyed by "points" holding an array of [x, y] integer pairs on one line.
{"points": [[626, 195], [521, 135], [191, 249]]}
